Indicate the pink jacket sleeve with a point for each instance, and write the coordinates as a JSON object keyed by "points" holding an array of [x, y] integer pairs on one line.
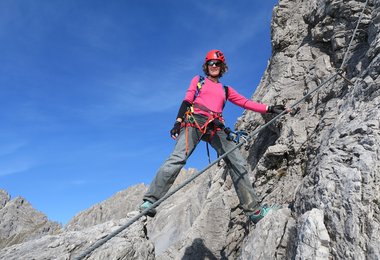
{"points": [[189, 97], [245, 103]]}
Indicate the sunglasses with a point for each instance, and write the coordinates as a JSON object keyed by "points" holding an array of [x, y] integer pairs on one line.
{"points": [[216, 63]]}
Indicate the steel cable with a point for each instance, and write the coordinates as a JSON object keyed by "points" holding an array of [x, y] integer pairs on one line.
{"points": [[104, 240]]}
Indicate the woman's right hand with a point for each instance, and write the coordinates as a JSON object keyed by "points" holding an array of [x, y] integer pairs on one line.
{"points": [[174, 133]]}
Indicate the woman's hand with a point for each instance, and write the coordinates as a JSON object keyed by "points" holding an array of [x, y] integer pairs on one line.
{"points": [[174, 133], [278, 109]]}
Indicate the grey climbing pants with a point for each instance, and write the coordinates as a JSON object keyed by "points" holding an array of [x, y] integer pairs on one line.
{"points": [[236, 164]]}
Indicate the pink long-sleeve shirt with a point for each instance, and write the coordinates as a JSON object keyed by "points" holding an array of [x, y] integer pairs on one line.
{"points": [[212, 96]]}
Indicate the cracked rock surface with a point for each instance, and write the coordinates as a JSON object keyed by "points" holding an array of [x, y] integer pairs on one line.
{"points": [[321, 163]]}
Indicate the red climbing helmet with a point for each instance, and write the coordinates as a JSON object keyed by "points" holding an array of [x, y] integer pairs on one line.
{"points": [[215, 55]]}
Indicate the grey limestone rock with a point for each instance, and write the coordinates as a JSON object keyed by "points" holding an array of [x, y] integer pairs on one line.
{"points": [[114, 208], [329, 174], [4, 198], [321, 162], [131, 244], [20, 222], [314, 238]]}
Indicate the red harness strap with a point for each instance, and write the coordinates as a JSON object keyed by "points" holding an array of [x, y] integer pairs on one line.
{"points": [[190, 121]]}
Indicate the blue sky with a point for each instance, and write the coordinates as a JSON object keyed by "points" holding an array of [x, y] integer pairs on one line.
{"points": [[90, 89]]}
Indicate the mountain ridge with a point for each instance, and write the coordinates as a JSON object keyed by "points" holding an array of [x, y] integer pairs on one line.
{"points": [[321, 162]]}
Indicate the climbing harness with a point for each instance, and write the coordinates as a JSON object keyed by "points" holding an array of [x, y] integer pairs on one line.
{"points": [[209, 127], [104, 240], [212, 124]]}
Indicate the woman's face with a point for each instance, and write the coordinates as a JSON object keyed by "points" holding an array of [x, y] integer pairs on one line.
{"points": [[214, 67]]}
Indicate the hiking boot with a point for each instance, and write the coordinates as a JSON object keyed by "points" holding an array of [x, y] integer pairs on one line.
{"points": [[260, 213], [146, 205]]}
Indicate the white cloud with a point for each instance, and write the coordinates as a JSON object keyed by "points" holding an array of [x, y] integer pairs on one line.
{"points": [[10, 148], [11, 162], [8, 168], [136, 93]]}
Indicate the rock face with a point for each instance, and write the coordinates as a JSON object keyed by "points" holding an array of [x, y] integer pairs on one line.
{"points": [[19, 222], [321, 162], [132, 244], [114, 208], [327, 168]]}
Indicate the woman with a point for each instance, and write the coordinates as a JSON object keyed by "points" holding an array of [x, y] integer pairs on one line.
{"points": [[200, 118]]}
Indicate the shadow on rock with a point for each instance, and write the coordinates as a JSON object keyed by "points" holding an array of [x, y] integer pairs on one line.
{"points": [[198, 251]]}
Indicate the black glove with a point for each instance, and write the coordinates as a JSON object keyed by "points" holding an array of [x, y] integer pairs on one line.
{"points": [[276, 109], [175, 130]]}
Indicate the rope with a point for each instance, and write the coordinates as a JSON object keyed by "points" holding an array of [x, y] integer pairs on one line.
{"points": [[102, 241], [353, 37]]}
